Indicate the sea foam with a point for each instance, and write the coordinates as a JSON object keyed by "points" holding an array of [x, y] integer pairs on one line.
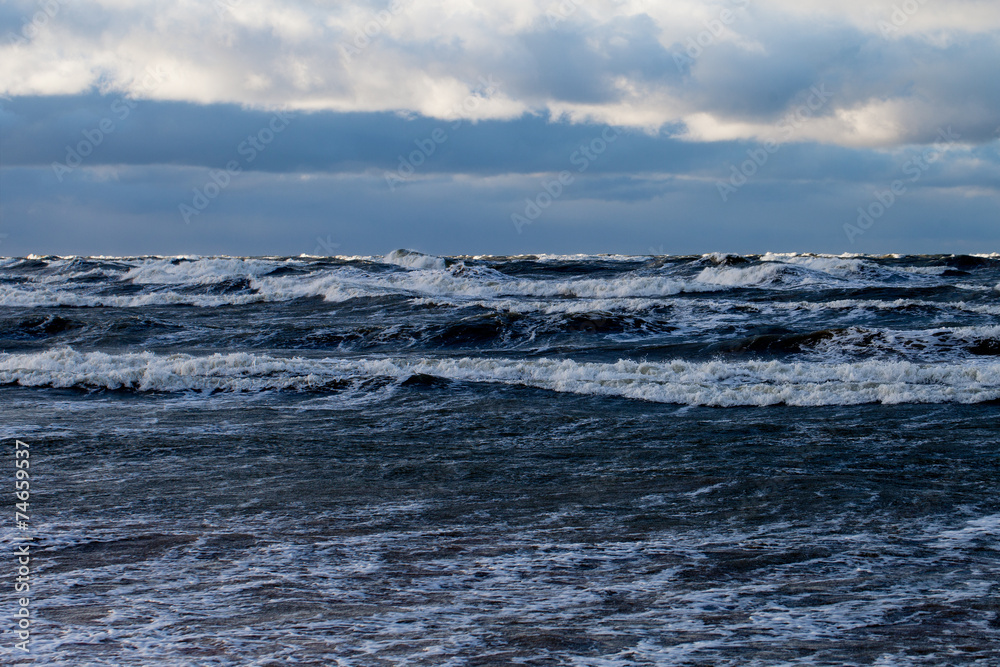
{"points": [[711, 383]]}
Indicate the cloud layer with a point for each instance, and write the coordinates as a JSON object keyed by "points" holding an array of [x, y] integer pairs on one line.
{"points": [[892, 72]]}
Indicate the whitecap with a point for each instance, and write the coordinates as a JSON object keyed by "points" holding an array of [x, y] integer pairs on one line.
{"points": [[205, 271], [711, 383], [412, 259]]}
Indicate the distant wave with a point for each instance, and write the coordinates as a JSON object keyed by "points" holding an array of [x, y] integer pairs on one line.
{"points": [[414, 260], [220, 281]]}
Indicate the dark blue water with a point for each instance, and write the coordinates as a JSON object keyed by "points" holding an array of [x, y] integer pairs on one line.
{"points": [[718, 460]]}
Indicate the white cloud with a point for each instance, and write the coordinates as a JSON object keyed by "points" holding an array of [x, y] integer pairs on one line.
{"points": [[613, 61]]}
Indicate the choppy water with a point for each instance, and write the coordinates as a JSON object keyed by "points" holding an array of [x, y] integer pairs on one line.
{"points": [[594, 460]]}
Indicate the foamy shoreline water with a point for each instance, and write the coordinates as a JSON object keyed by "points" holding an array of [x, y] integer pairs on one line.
{"points": [[567, 460]]}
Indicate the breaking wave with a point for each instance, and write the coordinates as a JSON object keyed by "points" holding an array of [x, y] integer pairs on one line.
{"points": [[220, 281], [713, 383]]}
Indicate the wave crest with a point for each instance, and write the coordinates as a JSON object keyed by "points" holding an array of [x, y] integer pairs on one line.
{"points": [[712, 383], [412, 259]]}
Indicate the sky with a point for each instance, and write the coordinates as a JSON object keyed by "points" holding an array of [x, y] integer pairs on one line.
{"points": [[258, 127]]}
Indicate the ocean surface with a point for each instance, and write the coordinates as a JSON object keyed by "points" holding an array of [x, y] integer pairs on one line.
{"points": [[787, 459]]}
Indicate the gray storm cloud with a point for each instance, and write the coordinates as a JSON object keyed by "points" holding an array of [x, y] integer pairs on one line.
{"points": [[731, 69]]}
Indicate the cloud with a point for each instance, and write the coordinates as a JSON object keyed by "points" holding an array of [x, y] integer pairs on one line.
{"points": [[588, 61], [114, 130], [134, 210]]}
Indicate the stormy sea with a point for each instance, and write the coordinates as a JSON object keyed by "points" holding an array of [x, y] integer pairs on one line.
{"points": [[594, 460]]}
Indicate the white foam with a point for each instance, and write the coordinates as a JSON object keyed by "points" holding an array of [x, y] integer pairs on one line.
{"points": [[770, 274], [412, 259], [459, 283], [713, 383], [850, 267], [793, 269], [930, 344], [387, 614], [697, 309], [464, 283], [48, 297], [924, 270], [985, 528], [428, 276], [205, 271]]}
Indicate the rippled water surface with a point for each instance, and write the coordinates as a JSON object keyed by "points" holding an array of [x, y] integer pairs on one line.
{"points": [[716, 460]]}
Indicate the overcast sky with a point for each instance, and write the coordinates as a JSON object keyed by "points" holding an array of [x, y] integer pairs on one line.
{"points": [[467, 126]]}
